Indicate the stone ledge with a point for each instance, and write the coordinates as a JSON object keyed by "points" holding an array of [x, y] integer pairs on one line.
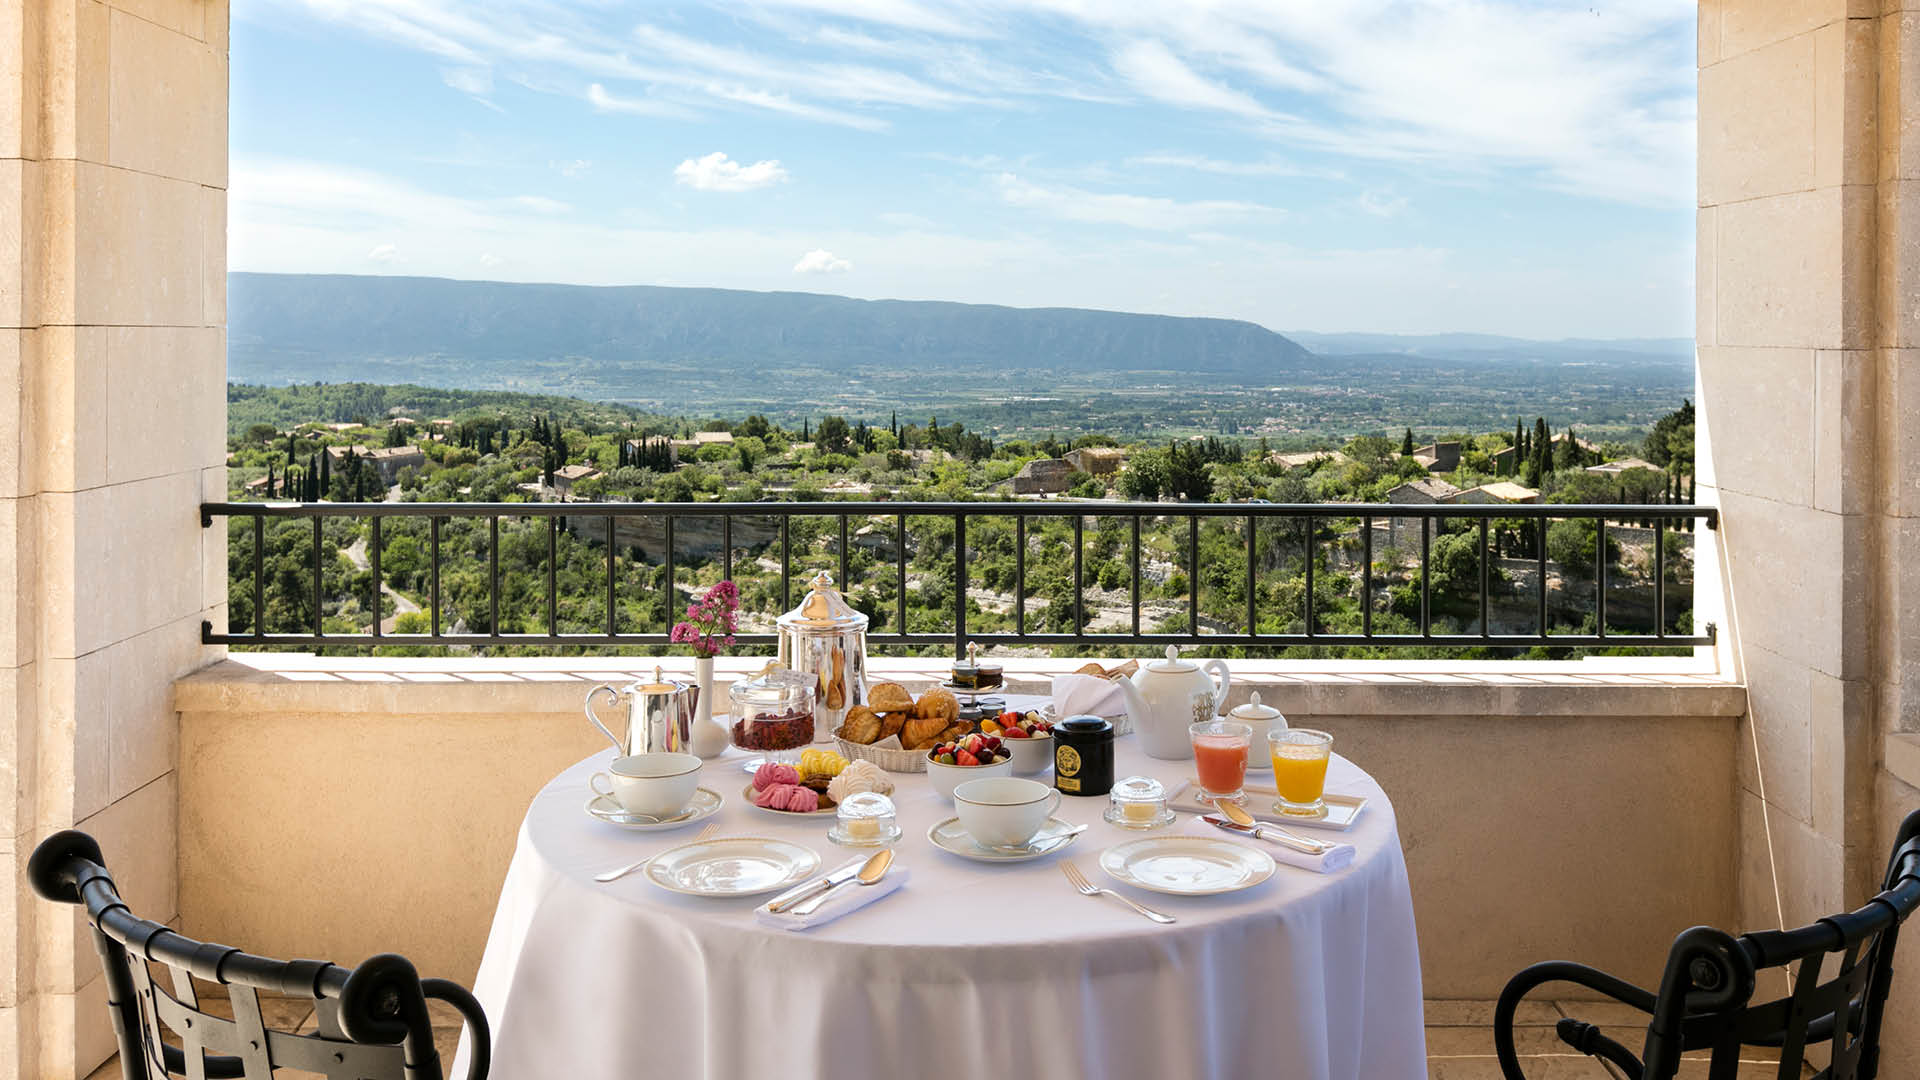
{"points": [[1623, 687], [1903, 757]]}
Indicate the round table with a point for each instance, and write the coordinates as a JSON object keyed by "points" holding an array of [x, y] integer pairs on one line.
{"points": [[968, 970]]}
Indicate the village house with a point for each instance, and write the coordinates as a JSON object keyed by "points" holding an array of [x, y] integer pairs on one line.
{"points": [[1046, 476], [1097, 460], [566, 476], [1427, 492], [386, 460], [1500, 491], [1438, 457]]}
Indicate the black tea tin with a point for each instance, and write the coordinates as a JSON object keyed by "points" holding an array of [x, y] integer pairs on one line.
{"points": [[1083, 756]]}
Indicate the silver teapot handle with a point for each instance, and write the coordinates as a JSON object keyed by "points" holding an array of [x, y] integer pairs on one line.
{"points": [[618, 748]]}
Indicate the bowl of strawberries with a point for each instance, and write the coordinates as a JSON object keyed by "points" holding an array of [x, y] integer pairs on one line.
{"points": [[1029, 735], [970, 757]]}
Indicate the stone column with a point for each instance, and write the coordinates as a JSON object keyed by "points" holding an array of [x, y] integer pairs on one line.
{"points": [[113, 170], [1806, 389]]}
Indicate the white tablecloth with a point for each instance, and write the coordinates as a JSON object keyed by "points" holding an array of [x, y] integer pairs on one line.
{"points": [[970, 970]]}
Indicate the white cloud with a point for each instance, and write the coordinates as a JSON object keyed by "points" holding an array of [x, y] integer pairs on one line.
{"points": [[1597, 102], [599, 97], [1202, 163], [489, 259], [383, 253], [821, 261], [540, 204], [1159, 74], [573, 169], [718, 172], [1137, 211], [477, 81], [1381, 203]]}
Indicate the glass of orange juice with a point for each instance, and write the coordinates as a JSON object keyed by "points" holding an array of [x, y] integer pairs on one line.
{"points": [[1300, 769], [1220, 749]]}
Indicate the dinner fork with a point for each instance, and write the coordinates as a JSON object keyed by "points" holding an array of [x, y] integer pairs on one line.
{"points": [[616, 875], [1088, 888]]}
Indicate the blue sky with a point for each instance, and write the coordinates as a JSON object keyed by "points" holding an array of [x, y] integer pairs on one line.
{"points": [[1518, 168]]}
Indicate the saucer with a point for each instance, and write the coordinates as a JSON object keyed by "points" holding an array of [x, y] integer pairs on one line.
{"points": [[1054, 835], [705, 804], [838, 836]]}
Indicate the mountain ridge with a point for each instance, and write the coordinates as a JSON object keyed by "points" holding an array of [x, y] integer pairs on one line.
{"points": [[329, 318]]}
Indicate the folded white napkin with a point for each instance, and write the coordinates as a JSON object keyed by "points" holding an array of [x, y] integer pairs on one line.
{"points": [[851, 898], [1092, 694], [1338, 857]]}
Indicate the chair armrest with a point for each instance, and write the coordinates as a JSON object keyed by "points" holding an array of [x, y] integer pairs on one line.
{"points": [[1560, 971], [481, 1058]]}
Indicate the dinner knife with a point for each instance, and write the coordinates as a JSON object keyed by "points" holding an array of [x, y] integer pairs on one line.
{"points": [[815, 887], [1263, 832]]}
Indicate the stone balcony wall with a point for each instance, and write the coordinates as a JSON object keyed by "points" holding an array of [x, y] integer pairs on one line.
{"points": [[339, 808]]}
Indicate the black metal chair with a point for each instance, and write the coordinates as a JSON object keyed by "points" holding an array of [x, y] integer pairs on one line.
{"points": [[373, 1020], [1705, 994]]}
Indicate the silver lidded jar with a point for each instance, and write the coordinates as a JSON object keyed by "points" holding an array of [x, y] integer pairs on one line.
{"points": [[826, 638]]}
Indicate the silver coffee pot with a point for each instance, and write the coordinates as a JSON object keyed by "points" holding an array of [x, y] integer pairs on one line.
{"points": [[659, 714], [826, 637]]}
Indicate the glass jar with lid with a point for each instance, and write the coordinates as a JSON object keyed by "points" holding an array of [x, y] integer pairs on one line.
{"points": [[772, 715]]}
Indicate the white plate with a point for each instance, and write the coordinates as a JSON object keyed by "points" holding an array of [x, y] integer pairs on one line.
{"points": [[1187, 865], [825, 811], [705, 804], [734, 866], [1052, 837]]}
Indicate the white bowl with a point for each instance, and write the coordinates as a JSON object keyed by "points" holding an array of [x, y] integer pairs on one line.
{"points": [[947, 777], [1032, 755]]}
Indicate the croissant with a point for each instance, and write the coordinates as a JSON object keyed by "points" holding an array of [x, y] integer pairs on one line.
{"points": [[891, 723], [922, 732]]}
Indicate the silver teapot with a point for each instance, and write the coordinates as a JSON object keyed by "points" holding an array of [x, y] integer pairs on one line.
{"points": [[659, 714]]}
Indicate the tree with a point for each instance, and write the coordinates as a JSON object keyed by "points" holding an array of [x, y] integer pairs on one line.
{"points": [[1406, 444], [1542, 449], [834, 436], [749, 450], [1145, 477], [325, 489], [1661, 441]]}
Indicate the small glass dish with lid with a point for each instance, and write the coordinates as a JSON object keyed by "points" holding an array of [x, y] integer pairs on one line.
{"points": [[865, 819], [772, 715], [1138, 802]]}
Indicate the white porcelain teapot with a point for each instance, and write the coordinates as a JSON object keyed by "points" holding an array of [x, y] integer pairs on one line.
{"points": [[1166, 696]]}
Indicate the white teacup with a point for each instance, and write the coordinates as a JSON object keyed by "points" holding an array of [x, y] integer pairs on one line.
{"points": [[654, 785], [1004, 811]]}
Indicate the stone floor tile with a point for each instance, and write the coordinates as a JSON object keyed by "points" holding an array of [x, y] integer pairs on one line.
{"points": [[1478, 1041], [1612, 1016], [1458, 1013]]}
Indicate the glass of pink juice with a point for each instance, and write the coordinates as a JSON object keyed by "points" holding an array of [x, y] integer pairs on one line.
{"points": [[1220, 757]]}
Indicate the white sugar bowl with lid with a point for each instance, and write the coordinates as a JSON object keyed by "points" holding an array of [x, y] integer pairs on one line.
{"points": [[1262, 719]]}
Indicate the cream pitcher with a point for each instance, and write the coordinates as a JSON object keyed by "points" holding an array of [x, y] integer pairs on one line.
{"points": [[659, 714]]}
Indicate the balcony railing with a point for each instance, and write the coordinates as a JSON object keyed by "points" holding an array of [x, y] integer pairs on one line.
{"points": [[1319, 530]]}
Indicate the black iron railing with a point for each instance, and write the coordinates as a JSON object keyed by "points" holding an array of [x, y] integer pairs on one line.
{"points": [[1312, 521]]}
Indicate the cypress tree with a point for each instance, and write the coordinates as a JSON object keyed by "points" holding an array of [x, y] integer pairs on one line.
{"points": [[1406, 444], [326, 475], [1542, 448]]}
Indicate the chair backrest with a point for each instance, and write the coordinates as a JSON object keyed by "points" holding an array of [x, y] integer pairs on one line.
{"points": [[1705, 998], [373, 1020]]}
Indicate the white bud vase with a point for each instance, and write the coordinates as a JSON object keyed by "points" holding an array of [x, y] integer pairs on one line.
{"points": [[709, 735]]}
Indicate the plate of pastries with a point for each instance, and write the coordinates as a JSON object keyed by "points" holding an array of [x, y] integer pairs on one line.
{"points": [[893, 729]]}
